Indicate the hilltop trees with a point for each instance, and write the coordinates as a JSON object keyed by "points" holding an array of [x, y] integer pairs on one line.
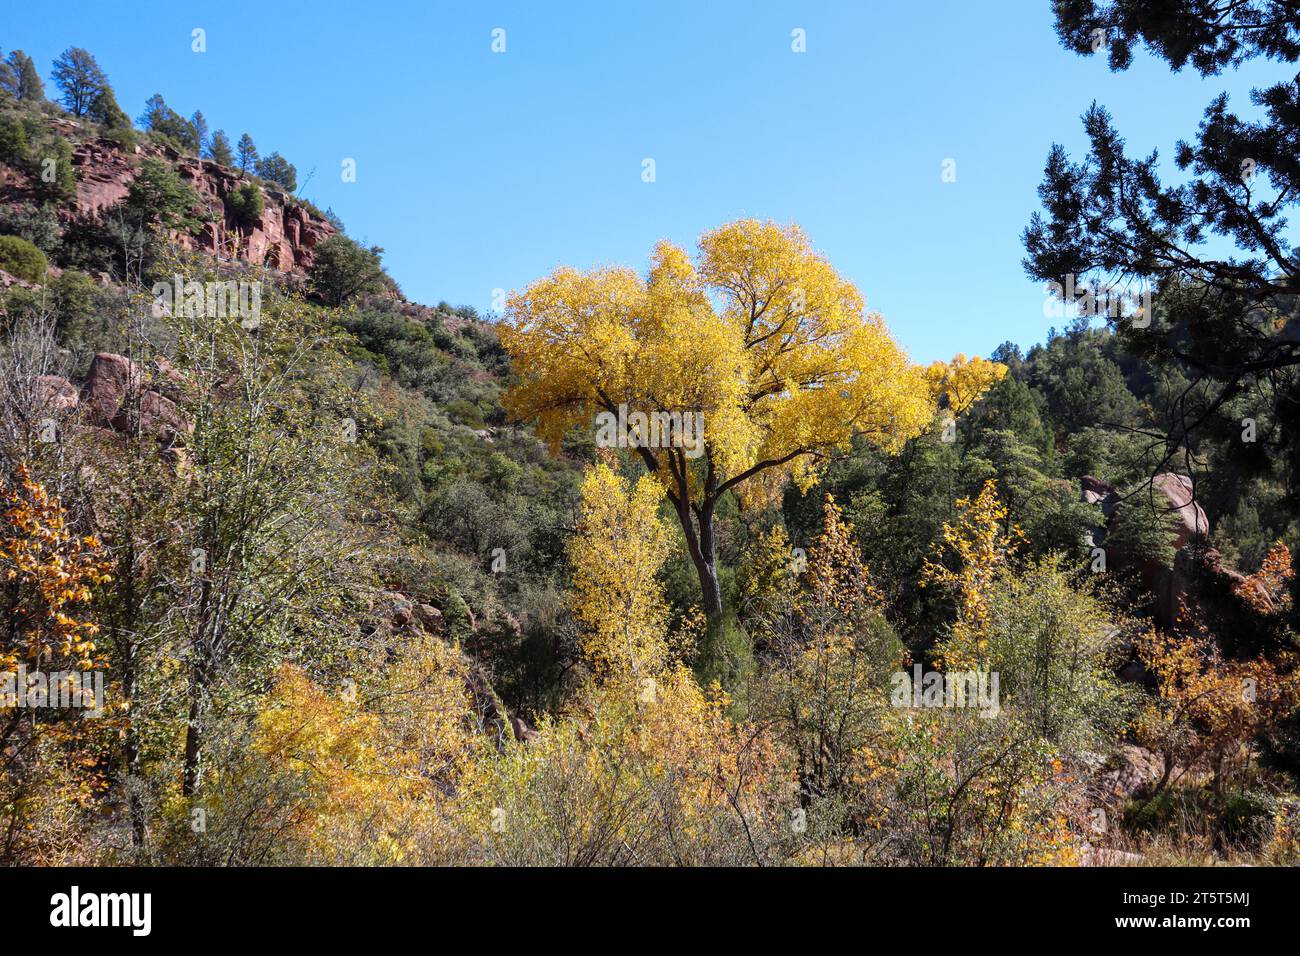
{"points": [[785, 373], [105, 111], [160, 118], [200, 124], [247, 153], [219, 149], [278, 170], [19, 76], [79, 78]]}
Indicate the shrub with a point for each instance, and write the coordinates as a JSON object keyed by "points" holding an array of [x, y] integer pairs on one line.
{"points": [[245, 203], [39, 226], [343, 269], [21, 258], [13, 141]]}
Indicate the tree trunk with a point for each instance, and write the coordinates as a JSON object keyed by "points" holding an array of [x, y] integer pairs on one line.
{"points": [[194, 733], [700, 543]]}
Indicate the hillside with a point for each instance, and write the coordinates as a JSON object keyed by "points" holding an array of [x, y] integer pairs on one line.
{"points": [[366, 581]]}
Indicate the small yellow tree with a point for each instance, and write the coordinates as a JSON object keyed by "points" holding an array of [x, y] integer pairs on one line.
{"points": [[978, 549], [615, 555]]}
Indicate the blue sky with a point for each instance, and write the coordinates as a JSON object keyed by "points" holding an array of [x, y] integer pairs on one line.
{"points": [[478, 171]]}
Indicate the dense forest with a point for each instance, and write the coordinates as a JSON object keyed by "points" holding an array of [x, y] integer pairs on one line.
{"points": [[295, 570]]}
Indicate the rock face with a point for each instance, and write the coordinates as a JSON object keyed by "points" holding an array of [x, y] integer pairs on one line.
{"points": [[104, 175], [1179, 491], [1196, 570], [282, 237]]}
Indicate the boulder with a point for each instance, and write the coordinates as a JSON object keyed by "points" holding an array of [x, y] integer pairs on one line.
{"points": [[115, 397], [1180, 492], [1134, 769], [56, 393], [521, 729], [1095, 491], [154, 415], [428, 617], [110, 380]]}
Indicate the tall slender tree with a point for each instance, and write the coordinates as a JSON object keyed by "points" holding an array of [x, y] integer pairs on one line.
{"points": [[247, 153], [26, 81]]}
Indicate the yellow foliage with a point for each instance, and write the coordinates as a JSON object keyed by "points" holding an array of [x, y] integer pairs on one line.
{"points": [[615, 555], [980, 549], [963, 380], [51, 572], [760, 334], [1209, 708], [373, 773], [1267, 590]]}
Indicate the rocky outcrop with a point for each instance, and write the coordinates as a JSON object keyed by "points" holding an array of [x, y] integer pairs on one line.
{"points": [[282, 237], [117, 396], [1196, 576], [1180, 493], [104, 174]]}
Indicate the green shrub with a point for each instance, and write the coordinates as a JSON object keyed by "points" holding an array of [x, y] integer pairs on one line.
{"points": [[245, 203], [13, 141], [343, 270], [55, 157], [21, 258], [465, 413], [38, 225]]}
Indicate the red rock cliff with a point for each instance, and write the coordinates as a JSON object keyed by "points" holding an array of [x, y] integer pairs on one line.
{"points": [[282, 237]]}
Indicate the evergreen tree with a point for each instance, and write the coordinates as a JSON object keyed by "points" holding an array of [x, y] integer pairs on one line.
{"points": [[105, 111], [160, 118], [8, 78], [247, 153], [19, 76], [219, 149], [278, 170], [79, 78], [200, 124]]}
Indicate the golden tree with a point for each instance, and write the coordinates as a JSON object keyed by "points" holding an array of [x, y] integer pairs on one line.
{"points": [[51, 767], [979, 549], [759, 335]]}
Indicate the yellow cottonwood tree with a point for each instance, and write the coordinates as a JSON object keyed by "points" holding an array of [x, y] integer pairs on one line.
{"points": [[963, 380], [759, 335]]}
